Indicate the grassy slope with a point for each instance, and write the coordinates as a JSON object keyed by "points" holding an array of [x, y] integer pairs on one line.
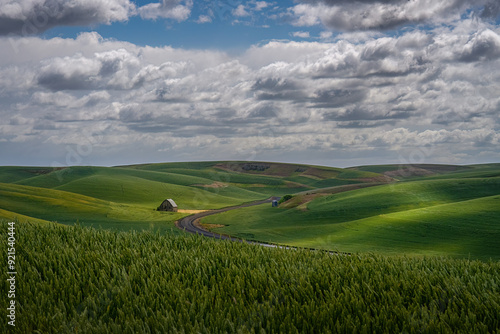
{"points": [[76, 280], [125, 196], [122, 198], [146, 188], [35, 204], [10, 174], [13, 216], [452, 217], [408, 172], [467, 228]]}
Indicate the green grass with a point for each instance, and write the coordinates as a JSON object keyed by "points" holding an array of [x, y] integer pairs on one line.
{"points": [[13, 174], [125, 197], [146, 188], [30, 203], [439, 217], [13, 216], [377, 168], [464, 229], [407, 172], [314, 183], [80, 280], [130, 189], [474, 171]]}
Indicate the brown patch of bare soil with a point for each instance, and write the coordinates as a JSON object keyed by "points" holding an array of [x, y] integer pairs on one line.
{"points": [[204, 226], [300, 201], [209, 227]]}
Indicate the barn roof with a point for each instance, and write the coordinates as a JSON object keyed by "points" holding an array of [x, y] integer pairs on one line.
{"points": [[172, 203]]}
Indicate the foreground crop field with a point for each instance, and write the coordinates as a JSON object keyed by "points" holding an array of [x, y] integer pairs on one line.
{"points": [[82, 280]]}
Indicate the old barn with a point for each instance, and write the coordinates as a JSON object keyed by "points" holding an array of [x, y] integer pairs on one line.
{"points": [[168, 205]]}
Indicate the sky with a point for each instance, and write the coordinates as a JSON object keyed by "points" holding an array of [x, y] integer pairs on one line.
{"points": [[328, 82]]}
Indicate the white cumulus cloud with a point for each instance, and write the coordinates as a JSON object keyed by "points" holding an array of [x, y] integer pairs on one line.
{"points": [[376, 96], [377, 14], [178, 10], [301, 34]]}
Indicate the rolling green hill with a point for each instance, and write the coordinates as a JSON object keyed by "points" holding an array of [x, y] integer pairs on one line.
{"points": [[125, 197], [26, 203], [418, 209], [455, 217], [417, 171]]}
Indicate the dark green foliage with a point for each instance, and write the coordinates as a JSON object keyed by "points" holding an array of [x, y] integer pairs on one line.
{"points": [[285, 198], [80, 280]]}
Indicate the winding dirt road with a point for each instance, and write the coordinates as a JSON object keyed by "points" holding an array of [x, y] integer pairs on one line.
{"points": [[191, 223]]}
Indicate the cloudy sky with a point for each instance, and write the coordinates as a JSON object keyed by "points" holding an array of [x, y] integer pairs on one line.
{"points": [[332, 82]]}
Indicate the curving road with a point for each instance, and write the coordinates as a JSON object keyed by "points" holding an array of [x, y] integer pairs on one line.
{"points": [[191, 223]]}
